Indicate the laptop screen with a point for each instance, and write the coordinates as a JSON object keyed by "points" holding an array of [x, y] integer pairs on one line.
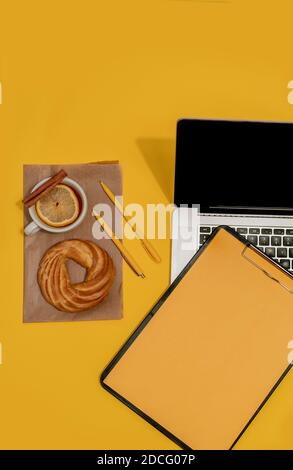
{"points": [[235, 166]]}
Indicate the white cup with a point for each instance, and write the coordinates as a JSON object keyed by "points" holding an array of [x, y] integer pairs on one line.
{"points": [[38, 224]]}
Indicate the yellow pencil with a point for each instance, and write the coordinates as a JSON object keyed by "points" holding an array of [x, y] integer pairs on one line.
{"points": [[145, 243], [125, 253]]}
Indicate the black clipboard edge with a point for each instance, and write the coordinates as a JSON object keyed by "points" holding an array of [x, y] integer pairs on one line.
{"points": [[147, 418], [150, 315], [262, 404]]}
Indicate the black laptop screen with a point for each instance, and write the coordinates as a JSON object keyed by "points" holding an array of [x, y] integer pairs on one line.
{"points": [[233, 166]]}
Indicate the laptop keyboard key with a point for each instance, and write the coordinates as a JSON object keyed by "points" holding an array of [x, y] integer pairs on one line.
{"points": [[254, 231], [276, 241], [282, 252], [289, 231], [285, 263], [266, 231], [279, 231], [291, 252], [271, 252], [252, 239], [242, 230], [205, 229], [264, 241], [288, 241], [203, 238]]}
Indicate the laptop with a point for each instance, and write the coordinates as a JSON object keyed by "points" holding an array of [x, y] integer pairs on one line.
{"points": [[235, 173]]}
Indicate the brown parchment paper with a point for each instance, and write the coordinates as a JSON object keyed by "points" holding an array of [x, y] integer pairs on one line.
{"points": [[36, 308]]}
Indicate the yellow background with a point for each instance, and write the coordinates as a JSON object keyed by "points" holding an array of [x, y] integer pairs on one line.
{"points": [[91, 80]]}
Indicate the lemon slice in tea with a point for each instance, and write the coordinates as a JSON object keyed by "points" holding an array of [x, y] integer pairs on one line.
{"points": [[59, 207]]}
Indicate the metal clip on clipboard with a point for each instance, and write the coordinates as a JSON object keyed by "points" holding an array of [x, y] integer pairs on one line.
{"points": [[273, 278]]}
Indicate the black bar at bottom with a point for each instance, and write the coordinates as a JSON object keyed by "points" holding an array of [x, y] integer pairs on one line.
{"points": [[131, 459]]}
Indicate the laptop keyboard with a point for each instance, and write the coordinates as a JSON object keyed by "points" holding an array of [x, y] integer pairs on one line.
{"points": [[277, 243]]}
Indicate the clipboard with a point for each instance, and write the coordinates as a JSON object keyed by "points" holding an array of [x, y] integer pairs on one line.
{"points": [[213, 349]]}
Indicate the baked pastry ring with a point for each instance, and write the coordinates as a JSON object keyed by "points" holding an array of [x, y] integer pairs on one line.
{"points": [[54, 280]]}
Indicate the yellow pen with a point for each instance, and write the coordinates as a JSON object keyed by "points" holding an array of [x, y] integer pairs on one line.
{"points": [[124, 252], [145, 243]]}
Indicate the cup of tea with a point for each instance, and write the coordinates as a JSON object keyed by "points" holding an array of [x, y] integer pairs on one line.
{"points": [[60, 210]]}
